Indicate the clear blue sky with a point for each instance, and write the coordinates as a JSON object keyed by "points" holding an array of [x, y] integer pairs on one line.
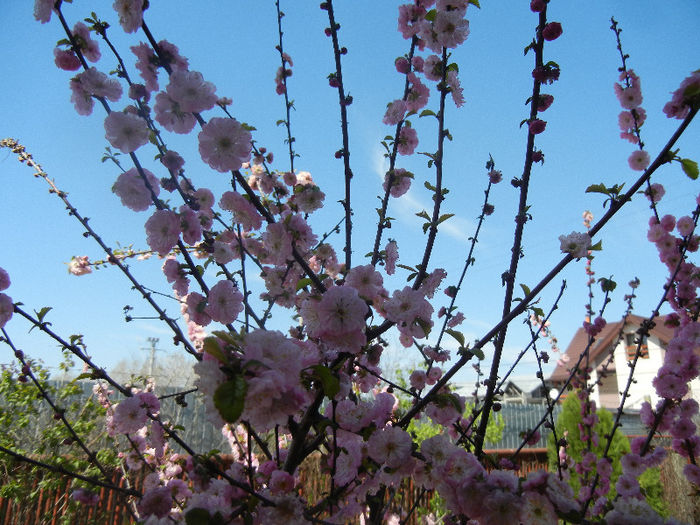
{"points": [[233, 45]]}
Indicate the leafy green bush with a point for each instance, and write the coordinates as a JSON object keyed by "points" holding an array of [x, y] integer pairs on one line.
{"points": [[568, 421]]}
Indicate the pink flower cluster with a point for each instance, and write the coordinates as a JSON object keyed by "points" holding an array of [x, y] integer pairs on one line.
{"points": [[7, 307]]}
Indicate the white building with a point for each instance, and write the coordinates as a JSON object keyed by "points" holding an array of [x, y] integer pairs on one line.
{"points": [[610, 357]]}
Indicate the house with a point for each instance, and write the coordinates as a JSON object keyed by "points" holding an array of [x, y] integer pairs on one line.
{"points": [[610, 356]]}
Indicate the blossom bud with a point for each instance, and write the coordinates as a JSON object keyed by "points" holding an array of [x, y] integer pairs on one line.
{"points": [[552, 31]]}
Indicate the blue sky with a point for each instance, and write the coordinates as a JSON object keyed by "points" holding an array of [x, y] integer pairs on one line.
{"points": [[233, 45]]}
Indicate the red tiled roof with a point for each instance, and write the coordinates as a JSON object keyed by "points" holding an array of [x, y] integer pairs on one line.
{"points": [[607, 336]]}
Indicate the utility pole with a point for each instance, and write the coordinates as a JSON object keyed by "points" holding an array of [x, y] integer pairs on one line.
{"points": [[152, 360]]}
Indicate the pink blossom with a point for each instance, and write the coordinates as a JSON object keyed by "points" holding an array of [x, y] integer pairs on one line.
{"points": [[392, 255], [131, 189], [629, 97], [171, 116], [65, 59], [451, 29], [410, 18], [433, 68], [418, 63], [86, 497], [130, 415], [536, 126], [191, 92], [88, 46], [4, 280], [692, 473], [225, 302], [685, 225], [402, 66], [390, 446], [130, 14], [537, 6], [196, 304], [418, 379], [98, 84], [146, 64], [162, 231], [401, 183], [552, 31], [408, 140], [156, 502], [655, 192], [495, 176], [190, 225], [341, 311], [418, 94], [243, 211], [7, 308], [455, 88], [308, 197], [394, 112], [639, 160], [224, 144], [79, 265], [42, 10], [366, 280], [125, 131], [679, 105], [577, 244]]}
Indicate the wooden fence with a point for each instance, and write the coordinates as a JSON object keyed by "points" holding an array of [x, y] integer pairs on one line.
{"points": [[53, 506]]}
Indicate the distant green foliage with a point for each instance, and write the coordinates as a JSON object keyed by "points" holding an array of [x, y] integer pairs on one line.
{"points": [[569, 419], [28, 427]]}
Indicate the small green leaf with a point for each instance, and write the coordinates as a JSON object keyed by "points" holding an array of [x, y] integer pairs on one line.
{"points": [[427, 113], [212, 348], [444, 217], [303, 283], [331, 384], [690, 168], [479, 353], [425, 326], [458, 336], [42, 313], [475, 2], [607, 285], [525, 289], [226, 336], [423, 215], [597, 246], [229, 398]]}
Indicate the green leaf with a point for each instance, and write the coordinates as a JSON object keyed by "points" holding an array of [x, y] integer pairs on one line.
{"points": [[444, 217], [475, 2], [607, 285], [212, 348], [690, 168], [479, 353], [423, 215], [425, 326], [597, 188], [42, 313], [525, 289], [331, 384], [458, 336], [427, 113], [303, 283], [226, 336], [538, 312], [229, 398]]}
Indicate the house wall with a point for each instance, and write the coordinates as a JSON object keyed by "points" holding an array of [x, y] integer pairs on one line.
{"points": [[645, 371]]}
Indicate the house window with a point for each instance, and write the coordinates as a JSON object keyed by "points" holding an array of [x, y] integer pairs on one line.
{"points": [[631, 342]]}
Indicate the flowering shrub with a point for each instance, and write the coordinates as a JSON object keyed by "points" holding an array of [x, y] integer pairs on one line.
{"points": [[244, 260]]}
